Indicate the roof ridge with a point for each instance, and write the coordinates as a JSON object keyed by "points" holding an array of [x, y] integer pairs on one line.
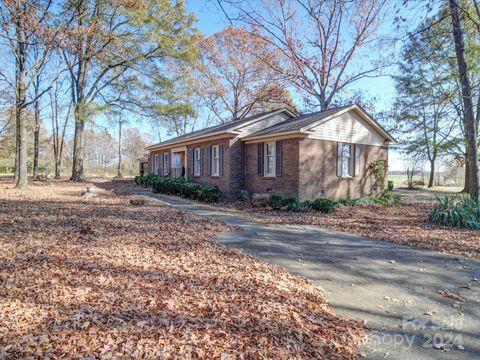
{"points": [[227, 125]]}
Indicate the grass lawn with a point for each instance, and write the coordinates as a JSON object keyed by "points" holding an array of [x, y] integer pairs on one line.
{"points": [[90, 277]]}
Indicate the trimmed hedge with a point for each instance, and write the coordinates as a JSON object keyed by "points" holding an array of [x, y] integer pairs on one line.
{"points": [[180, 187]]}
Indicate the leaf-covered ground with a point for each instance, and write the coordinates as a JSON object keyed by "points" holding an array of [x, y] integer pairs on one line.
{"points": [[96, 277], [406, 223]]}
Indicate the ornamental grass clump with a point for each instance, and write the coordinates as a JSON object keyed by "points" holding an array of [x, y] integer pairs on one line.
{"points": [[456, 211]]}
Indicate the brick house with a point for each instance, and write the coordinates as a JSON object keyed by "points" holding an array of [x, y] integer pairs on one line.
{"points": [[322, 154]]}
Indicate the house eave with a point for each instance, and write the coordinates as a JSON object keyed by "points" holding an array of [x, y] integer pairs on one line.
{"points": [[276, 136], [194, 140]]}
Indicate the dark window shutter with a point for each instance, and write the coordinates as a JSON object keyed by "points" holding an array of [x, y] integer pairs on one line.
{"points": [[339, 159], [201, 162], [167, 164], [278, 157], [260, 159], [161, 164], [220, 159], [192, 161], [356, 164], [209, 160]]}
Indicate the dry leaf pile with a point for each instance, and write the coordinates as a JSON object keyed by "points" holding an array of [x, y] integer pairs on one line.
{"points": [[406, 223], [100, 278]]}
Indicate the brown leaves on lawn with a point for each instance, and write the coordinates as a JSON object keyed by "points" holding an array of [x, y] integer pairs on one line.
{"points": [[99, 278]]}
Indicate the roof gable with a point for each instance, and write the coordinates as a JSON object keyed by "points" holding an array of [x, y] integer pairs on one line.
{"points": [[307, 123]]}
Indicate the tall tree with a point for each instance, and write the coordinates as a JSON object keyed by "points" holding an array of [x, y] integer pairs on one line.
{"points": [[107, 40], [466, 90], [425, 91], [324, 45], [236, 80], [24, 25], [60, 114]]}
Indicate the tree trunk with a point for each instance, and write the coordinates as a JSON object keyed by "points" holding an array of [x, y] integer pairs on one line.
{"points": [[432, 173], [36, 132], [21, 180], [78, 149], [466, 187], [57, 168], [469, 118], [119, 169]]}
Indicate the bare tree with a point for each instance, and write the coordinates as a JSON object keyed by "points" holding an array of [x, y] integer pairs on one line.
{"points": [[59, 120], [323, 44], [24, 25]]}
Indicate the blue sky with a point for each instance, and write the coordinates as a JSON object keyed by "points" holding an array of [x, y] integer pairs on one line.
{"points": [[211, 20]]}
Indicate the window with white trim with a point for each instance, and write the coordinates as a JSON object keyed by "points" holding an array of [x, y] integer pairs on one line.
{"points": [[198, 162], [155, 164], [347, 152], [269, 159], [215, 160], [165, 164]]}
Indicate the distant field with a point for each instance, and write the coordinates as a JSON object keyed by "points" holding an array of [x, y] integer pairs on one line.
{"points": [[399, 180]]}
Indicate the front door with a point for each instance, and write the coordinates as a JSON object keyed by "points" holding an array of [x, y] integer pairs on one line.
{"points": [[178, 164]]}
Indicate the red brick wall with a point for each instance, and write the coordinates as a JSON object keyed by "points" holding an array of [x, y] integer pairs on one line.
{"points": [[318, 170], [287, 183], [222, 181]]}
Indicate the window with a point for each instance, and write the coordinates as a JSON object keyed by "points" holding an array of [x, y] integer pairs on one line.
{"points": [[215, 160], [165, 163], [269, 162], [347, 160], [198, 162]]}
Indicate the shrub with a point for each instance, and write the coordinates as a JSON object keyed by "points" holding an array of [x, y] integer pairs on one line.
{"points": [[456, 211], [292, 204], [388, 197], [276, 202], [139, 180], [149, 179], [323, 205], [260, 200], [305, 205], [243, 196], [344, 202], [365, 201], [279, 202], [390, 185], [187, 189]]}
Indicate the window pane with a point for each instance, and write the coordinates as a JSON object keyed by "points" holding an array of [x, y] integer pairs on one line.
{"points": [[346, 160], [269, 165], [269, 149]]}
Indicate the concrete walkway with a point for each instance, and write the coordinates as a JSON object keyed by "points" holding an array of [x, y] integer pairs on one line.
{"points": [[417, 304]]}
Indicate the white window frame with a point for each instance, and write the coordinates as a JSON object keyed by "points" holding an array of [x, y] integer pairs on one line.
{"points": [[165, 162], [347, 160], [267, 157], [197, 162], [215, 160]]}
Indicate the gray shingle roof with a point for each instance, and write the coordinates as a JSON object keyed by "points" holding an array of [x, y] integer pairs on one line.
{"points": [[230, 126], [298, 122]]}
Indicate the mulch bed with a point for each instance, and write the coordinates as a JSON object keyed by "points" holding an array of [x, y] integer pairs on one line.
{"points": [[102, 276]]}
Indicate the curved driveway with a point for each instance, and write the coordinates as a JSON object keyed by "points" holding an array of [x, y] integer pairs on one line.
{"points": [[417, 304]]}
